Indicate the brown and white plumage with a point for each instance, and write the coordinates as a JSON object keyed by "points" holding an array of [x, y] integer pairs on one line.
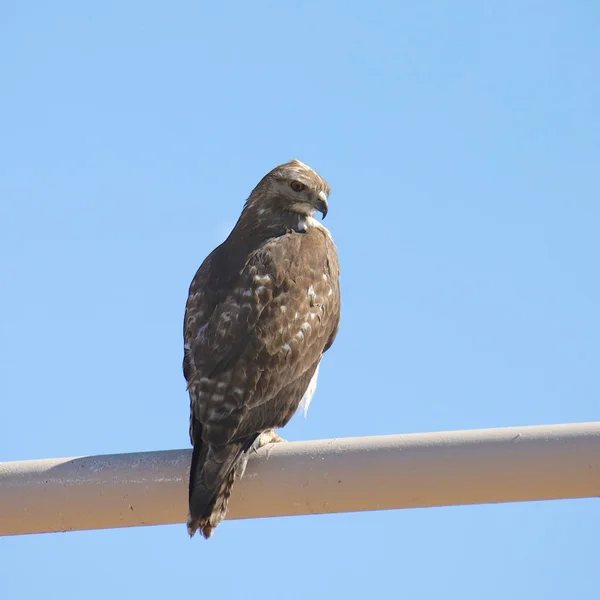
{"points": [[262, 309]]}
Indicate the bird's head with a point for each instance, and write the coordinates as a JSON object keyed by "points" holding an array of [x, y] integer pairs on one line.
{"points": [[291, 188]]}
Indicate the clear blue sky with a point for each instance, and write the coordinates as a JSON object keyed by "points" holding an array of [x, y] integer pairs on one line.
{"points": [[462, 144]]}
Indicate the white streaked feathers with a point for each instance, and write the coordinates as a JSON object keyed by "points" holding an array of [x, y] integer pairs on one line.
{"points": [[310, 391], [309, 221]]}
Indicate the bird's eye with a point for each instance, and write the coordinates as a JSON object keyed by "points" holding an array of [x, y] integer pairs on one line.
{"points": [[297, 186]]}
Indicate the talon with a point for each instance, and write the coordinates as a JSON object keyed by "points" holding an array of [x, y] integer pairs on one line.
{"points": [[268, 437]]}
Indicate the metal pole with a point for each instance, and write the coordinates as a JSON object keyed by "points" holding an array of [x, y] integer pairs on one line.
{"points": [[296, 478]]}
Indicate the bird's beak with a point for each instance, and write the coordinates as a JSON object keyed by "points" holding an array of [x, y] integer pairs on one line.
{"points": [[321, 204]]}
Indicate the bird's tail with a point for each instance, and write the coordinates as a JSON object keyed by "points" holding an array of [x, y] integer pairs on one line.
{"points": [[212, 474]]}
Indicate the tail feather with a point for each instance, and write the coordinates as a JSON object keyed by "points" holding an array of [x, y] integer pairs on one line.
{"points": [[212, 474]]}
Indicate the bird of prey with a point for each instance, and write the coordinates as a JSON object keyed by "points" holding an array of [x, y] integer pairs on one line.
{"points": [[262, 309]]}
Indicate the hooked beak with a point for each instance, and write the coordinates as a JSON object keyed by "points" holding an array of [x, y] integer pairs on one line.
{"points": [[321, 204]]}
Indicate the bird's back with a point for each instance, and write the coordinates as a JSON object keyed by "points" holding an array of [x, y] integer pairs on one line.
{"points": [[262, 310]]}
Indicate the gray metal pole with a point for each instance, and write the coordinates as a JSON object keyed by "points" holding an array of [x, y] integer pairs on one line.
{"points": [[324, 476]]}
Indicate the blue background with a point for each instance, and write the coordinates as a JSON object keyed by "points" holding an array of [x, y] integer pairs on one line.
{"points": [[462, 145]]}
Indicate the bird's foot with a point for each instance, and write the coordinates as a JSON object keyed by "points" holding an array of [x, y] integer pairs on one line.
{"points": [[268, 437]]}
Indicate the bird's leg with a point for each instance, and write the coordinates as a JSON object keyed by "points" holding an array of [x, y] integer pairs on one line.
{"points": [[268, 437], [265, 439]]}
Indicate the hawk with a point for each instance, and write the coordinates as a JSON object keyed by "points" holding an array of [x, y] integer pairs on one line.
{"points": [[262, 310]]}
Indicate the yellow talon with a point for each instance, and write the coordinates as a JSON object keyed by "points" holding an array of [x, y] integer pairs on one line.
{"points": [[268, 437]]}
